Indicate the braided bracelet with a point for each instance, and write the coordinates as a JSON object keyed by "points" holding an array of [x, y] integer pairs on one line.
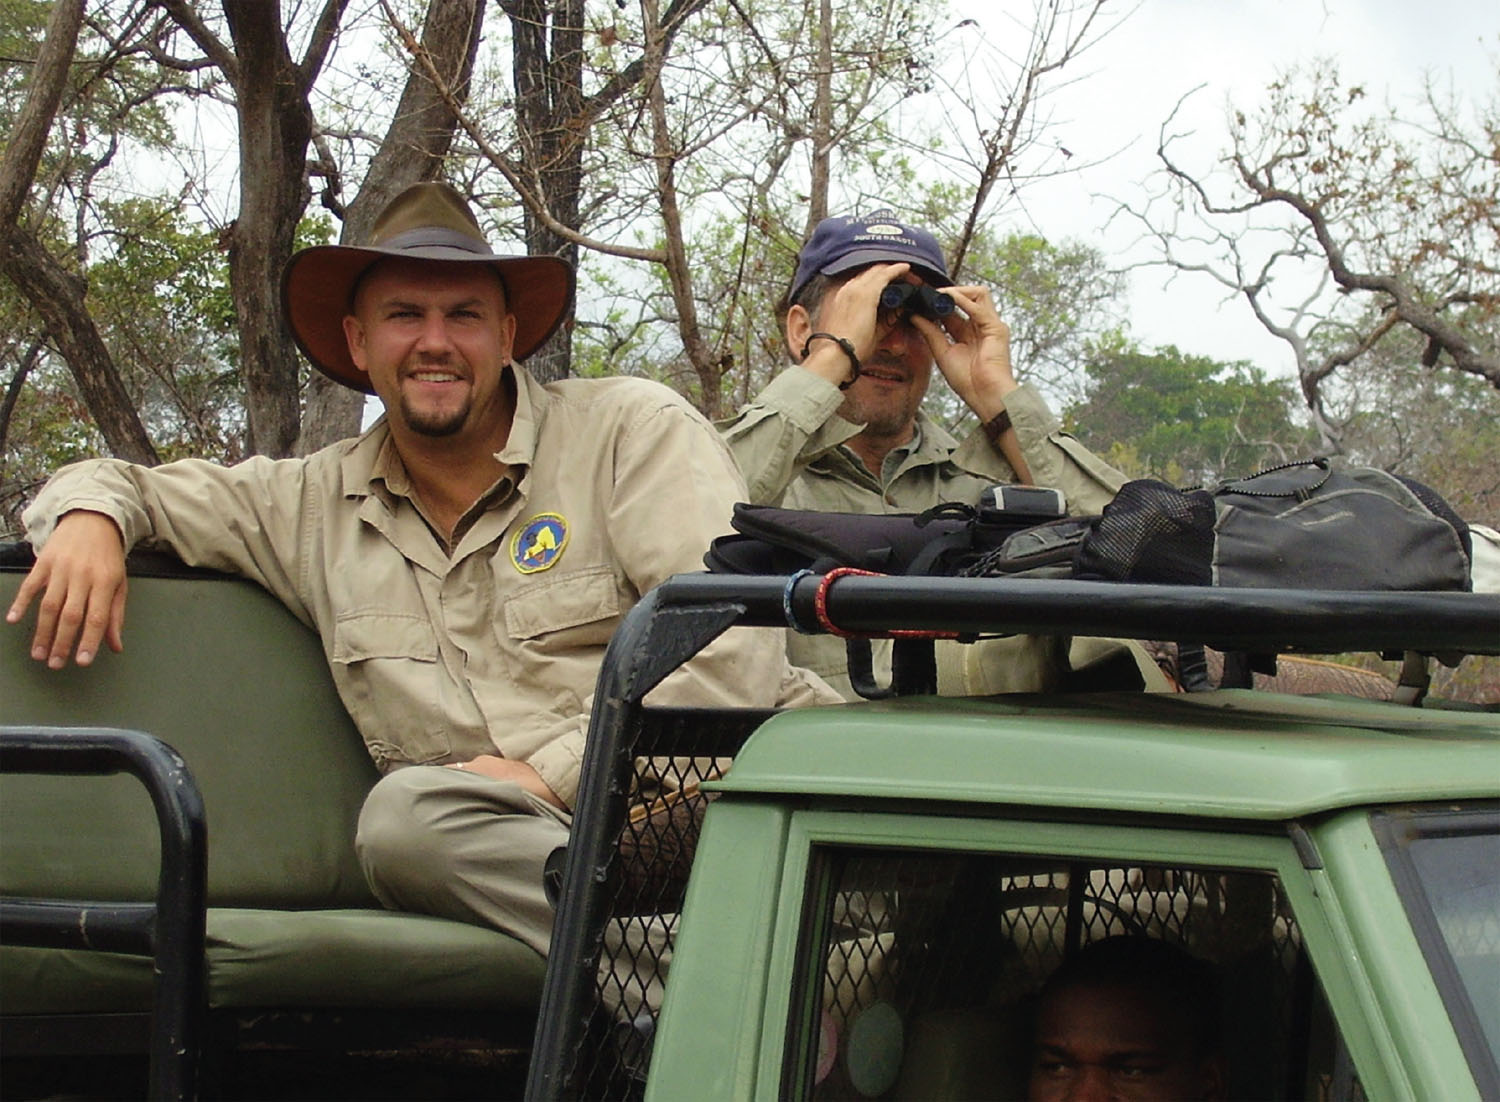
{"points": [[848, 351]]}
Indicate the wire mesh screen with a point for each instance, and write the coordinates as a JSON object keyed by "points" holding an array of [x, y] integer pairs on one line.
{"points": [[930, 962], [675, 752]]}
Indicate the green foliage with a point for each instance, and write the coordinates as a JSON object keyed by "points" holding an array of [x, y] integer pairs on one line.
{"points": [[48, 428], [21, 26], [1182, 418], [109, 108], [160, 295]]}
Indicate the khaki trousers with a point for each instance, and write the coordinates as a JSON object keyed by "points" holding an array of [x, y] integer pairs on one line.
{"points": [[462, 846]]}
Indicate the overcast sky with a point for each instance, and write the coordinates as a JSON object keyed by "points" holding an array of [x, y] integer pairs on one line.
{"points": [[1135, 75]]}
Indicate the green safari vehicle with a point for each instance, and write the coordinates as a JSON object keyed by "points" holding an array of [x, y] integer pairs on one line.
{"points": [[879, 889]]}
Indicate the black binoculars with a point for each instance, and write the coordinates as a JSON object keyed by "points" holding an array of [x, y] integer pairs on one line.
{"points": [[916, 298]]}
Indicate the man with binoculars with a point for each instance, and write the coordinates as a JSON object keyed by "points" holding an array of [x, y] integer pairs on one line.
{"points": [[869, 312]]}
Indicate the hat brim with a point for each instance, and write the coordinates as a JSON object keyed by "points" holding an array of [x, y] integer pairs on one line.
{"points": [[863, 258], [318, 282]]}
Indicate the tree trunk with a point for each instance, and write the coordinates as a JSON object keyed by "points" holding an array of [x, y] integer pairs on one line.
{"points": [[548, 75], [412, 150], [275, 124], [58, 296], [822, 144], [54, 292], [679, 277]]}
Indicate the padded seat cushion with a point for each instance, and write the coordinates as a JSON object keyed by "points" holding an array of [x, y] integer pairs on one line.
{"points": [[261, 958], [225, 675]]}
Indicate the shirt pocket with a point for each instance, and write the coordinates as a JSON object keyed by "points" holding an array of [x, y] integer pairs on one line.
{"points": [[390, 678], [577, 609]]}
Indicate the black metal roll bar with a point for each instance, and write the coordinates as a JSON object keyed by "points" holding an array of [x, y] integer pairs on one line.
{"points": [[169, 930]]}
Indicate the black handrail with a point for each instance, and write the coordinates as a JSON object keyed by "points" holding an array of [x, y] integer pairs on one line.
{"points": [[171, 930], [1269, 621]]}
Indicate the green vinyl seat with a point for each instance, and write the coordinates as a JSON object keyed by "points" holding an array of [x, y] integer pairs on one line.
{"points": [[222, 672]]}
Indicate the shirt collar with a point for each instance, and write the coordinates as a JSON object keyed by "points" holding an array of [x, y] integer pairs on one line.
{"points": [[930, 443], [370, 463], [931, 439], [526, 424]]}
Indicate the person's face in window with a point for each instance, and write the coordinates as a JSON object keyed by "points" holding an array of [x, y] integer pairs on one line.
{"points": [[1116, 1043]]}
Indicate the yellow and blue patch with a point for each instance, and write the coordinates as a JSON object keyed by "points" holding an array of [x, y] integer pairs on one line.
{"points": [[539, 543]]}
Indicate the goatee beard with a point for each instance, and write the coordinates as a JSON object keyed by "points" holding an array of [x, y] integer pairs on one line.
{"points": [[436, 425]]}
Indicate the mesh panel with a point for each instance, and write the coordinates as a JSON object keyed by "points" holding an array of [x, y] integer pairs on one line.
{"points": [[928, 935], [1152, 532], [1439, 507], [676, 752]]}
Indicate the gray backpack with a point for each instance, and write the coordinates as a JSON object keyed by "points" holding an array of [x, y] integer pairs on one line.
{"points": [[1313, 524]]}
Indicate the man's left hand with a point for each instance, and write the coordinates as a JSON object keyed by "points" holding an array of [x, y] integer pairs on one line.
{"points": [[509, 769], [972, 350]]}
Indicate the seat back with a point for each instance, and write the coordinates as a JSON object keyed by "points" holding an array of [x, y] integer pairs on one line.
{"points": [[223, 673]]}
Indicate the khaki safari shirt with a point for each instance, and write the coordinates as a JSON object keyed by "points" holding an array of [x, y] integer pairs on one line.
{"points": [[494, 646], [789, 445]]}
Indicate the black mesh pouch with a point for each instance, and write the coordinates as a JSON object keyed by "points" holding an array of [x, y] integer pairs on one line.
{"points": [[1151, 532]]}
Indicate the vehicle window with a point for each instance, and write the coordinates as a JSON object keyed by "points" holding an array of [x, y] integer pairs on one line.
{"points": [[1446, 865], [920, 971]]}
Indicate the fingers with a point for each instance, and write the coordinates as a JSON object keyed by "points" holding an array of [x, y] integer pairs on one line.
{"points": [[972, 349], [85, 606], [79, 587], [976, 302], [115, 634], [940, 337], [34, 583], [850, 310]]}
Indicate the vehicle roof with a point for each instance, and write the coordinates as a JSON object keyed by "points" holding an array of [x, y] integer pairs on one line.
{"points": [[1228, 753]]}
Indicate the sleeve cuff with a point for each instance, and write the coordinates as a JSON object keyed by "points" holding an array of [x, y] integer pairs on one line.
{"points": [[558, 763], [41, 525], [1034, 422], [804, 399]]}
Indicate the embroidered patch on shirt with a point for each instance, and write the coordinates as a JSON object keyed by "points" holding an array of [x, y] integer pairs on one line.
{"points": [[539, 543]]}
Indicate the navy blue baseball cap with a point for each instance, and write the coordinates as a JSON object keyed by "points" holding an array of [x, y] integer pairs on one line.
{"points": [[844, 243]]}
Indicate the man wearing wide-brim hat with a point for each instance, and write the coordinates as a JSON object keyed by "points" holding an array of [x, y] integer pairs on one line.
{"points": [[465, 560]]}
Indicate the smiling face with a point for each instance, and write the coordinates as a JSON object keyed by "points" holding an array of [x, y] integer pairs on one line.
{"points": [[892, 382], [433, 339]]}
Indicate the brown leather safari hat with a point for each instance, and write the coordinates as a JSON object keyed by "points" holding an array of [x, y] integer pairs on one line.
{"points": [[427, 221]]}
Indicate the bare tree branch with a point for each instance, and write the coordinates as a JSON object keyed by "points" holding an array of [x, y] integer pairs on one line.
{"points": [[515, 175]]}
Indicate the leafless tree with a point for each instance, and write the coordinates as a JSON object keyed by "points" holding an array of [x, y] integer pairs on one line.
{"points": [[1341, 227], [711, 141]]}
